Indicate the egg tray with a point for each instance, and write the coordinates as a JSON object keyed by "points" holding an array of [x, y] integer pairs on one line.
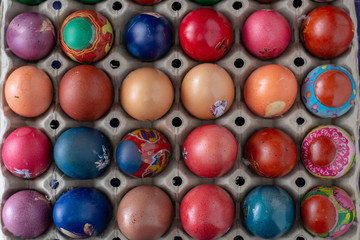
{"points": [[176, 179]]}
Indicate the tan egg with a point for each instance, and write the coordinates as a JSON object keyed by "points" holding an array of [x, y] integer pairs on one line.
{"points": [[28, 91], [146, 94], [145, 212], [207, 91]]}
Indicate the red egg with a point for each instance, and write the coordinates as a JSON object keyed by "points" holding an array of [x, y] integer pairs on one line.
{"points": [[327, 31], [322, 151], [207, 212], [210, 151], [271, 153]]}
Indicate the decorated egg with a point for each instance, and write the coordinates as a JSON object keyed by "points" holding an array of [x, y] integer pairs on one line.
{"points": [[205, 35], [27, 152], [82, 213], [206, 2], [86, 36], [26, 214], [328, 152], [210, 151], [147, 2], [328, 91], [146, 94], [30, 36], [143, 153], [327, 212], [270, 90], [31, 2], [82, 152], [207, 91], [85, 93], [268, 211], [145, 212], [207, 212]]}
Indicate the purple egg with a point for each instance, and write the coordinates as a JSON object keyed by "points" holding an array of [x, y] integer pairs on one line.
{"points": [[30, 36], [27, 214]]}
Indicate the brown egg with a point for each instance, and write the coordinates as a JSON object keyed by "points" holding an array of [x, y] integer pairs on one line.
{"points": [[28, 91], [207, 91], [146, 94], [85, 93], [145, 212]]}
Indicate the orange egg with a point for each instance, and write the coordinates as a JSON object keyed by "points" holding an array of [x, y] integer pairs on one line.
{"points": [[270, 90], [146, 94], [28, 91], [207, 91]]}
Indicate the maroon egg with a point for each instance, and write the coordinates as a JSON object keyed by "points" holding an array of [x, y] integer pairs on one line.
{"points": [[30, 36], [27, 214]]}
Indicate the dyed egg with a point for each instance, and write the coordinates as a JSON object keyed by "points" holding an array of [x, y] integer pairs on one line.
{"points": [[31, 2], [210, 151], [145, 212], [146, 94], [207, 2], [205, 35], [30, 36], [327, 212], [268, 211], [27, 152], [207, 91], [82, 153], [147, 2], [207, 212], [86, 36], [82, 213], [85, 93], [271, 153], [270, 90], [328, 152], [28, 91], [27, 214], [328, 91], [143, 153], [266, 34], [327, 31], [148, 36]]}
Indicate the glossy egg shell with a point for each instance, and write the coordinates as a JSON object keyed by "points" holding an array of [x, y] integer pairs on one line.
{"points": [[145, 212], [210, 151]]}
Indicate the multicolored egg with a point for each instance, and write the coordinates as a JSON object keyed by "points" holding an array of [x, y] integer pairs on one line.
{"points": [[82, 213], [328, 152], [328, 91], [82, 152], [86, 36], [327, 212], [27, 152], [143, 153]]}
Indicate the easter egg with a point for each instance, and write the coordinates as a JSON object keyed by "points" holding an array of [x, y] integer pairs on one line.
{"points": [[206, 2], [26, 214], [145, 212], [143, 153], [85, 93], [268, 211], [82, 213], [210, 151], [86, 36], [327, 31], [27, 152], [270, 90], [328, 91], [207, 91], [148, 36], [146, 94], [205, 35], [147, 2], [30, 36], [207, 212], [328, 152], [327, 212], [82, 152]]}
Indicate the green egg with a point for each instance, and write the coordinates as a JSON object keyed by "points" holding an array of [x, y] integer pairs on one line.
{"points": [[31, 2], [79, 33]]}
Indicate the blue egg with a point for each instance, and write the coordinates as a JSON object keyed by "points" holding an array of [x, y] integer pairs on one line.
{"points": [[82, 213], [148, 36], [268, 211], [128, 157], [82, 153]]}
